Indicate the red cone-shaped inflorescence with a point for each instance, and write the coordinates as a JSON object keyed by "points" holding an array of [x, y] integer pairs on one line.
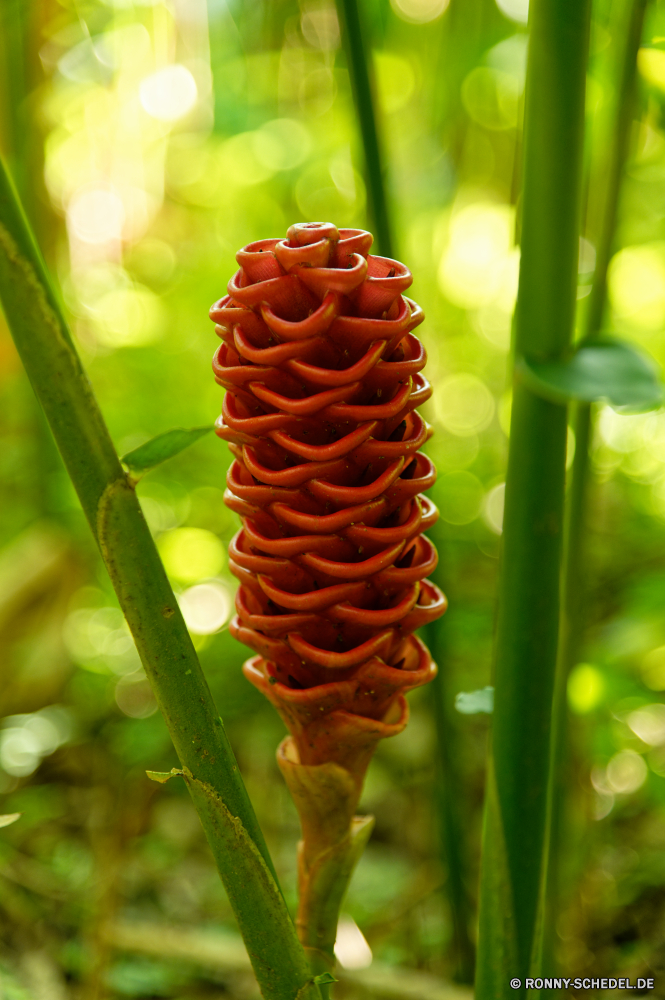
{"points": [[323, 378]]}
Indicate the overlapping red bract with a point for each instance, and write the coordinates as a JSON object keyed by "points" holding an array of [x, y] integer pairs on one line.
{"points": [[323, 379]]}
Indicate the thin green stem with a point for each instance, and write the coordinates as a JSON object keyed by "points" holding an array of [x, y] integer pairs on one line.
{"points": [[574, 548], [448, 796], [13, 24], [21, 136], [516, 829], [615, 161], [469, 28], [147, 600], [358, 55]]}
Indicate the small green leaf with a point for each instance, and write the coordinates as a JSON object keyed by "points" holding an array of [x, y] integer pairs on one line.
{"points": [[163, 776], [324, 979], [159, 448], [9, 818], [475, 702], [605, 370]]}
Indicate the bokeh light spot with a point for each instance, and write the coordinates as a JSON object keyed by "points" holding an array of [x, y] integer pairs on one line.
{"points": [[495, 325], [320, 26], [480, 264], [351, 949], [99, 640], [493, 508], [636, 280], [130, 317], [651, 64], [168, 94], [586, 687], [281, 144], [26, 739], [206, 607], [191, 554], [19, 752], [516, 10], [239, 160], [653, 669], [460, 496], [491, 97], [463, 404], [396, 81], [626, 772], [96, 216], [419, 11], [649, 724]]}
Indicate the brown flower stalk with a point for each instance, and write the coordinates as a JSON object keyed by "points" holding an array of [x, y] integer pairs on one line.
{"points": [[322, 374]]}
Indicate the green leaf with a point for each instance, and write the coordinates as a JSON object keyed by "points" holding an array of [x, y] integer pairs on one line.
{"points": [[475, 702], [9, 818], [164, 446], [600, 370], [324, 979], [163, 776]]}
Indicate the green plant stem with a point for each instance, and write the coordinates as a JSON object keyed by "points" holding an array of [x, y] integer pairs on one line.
{"points": [[614, 166], [615, 161], [451, 838], [358, 56], [13, 25], [21, 136], [147, 600], [574, 548], [513, 870], [469, 29]]}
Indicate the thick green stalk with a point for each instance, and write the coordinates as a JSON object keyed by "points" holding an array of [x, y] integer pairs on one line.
{"points": [[630, 31], [515, 838], [149, 605], [357, 54]]}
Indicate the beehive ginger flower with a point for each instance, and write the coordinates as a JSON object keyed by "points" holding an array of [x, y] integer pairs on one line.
{"points": [[323, 379]]}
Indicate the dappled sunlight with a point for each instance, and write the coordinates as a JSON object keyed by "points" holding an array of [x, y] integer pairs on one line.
{"points": [[168, 94], [480, 265], [637, 285]]}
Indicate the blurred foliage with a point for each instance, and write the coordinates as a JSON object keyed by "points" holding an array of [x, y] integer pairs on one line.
{"points": [[150, 141]]}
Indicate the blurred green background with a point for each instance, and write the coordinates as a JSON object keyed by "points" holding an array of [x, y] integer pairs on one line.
{"points": [[150, 141]]}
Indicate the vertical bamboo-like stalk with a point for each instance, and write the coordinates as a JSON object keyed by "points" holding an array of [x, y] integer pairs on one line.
{"points": [[630, 31], [614, 165], [513, 871], [358, 54], [112, 509]]}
